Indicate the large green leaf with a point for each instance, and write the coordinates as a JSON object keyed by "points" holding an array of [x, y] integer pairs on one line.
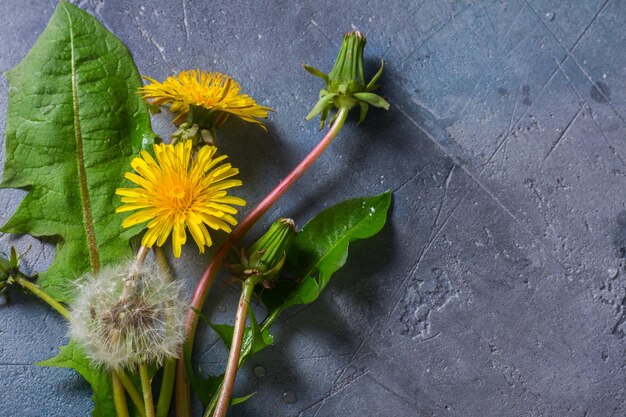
{"points": [[72, 356], [321, 248], [73, 124]]}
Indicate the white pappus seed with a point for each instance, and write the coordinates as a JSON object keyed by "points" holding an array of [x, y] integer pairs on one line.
{"points": [[128, 315]]}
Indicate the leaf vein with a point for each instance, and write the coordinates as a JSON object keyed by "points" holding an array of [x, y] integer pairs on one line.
{"points": [[90, 232]]}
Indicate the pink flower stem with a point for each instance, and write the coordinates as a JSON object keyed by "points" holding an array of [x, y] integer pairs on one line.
{"points": [[235, 347], [200, 293]]}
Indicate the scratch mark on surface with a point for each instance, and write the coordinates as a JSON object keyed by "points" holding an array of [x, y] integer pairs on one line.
{"points": [[593, 19], [401, 186], [427, 247], [334, 391], [147, 36], [428, 339], [539, 94], [562, 135], [443, 200], [433, 33], [317, 26], [393, 392], [524, 39], [493, 28], [508, 131], [573, 57], [590, 111], [185, 23], [282, 320], [508, 31], [351, 360], [477, 181]]}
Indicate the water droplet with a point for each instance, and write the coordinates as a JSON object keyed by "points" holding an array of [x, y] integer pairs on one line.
{"points": [[612, 272], [289, 397], [550, 16], [259, 371]]}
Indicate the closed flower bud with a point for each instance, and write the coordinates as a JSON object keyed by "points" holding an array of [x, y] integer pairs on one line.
{"points": [[9, 269], [5, 272], [5, 266], [265, 258], [128, 315], [196, 134], [345, 85]]}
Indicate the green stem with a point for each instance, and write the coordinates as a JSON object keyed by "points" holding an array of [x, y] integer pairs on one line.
{"points": [[132, 392], [167, 388], [235, 347], [119, 396], [169, 368], [36, 290], [146, 387]]}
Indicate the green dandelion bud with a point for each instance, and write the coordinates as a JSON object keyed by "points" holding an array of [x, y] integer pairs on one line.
{"points": [[10, 270], [265, 258], [5, 272], [128, 316], [345, 85], [5, 266]]}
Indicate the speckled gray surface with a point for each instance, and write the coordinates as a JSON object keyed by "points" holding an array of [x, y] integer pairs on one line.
{"points": [[498, 288]]}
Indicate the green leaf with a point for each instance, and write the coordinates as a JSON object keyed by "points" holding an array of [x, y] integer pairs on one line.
{"points": [[321, 248], [372, 84], [208, 386], [73, 357], [241, 400], [254, 338], [372, 99], [364, 107], [225, 332], [314, 71], [325, 102], [73, 125]]}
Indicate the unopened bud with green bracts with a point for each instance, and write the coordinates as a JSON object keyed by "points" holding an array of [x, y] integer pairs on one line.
{"points": [[345, 85], [9, 269], [265, 258], [201, 126], [5, 271]]}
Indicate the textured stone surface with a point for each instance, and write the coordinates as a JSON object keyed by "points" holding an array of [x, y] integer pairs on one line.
{"points": [[498, 287]]}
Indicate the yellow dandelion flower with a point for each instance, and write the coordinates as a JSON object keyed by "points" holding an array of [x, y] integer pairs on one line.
{"points": [[212, 91], [178, 192]]}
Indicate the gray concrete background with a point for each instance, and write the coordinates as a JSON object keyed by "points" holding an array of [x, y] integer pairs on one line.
{"points": [[498, 288]]}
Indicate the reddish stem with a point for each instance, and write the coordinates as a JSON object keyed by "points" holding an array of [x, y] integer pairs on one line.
{"points": [[200, 293], [235, 348]]}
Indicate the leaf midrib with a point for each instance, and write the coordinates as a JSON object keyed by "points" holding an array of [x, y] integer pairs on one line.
{"points": [[90, 232]]}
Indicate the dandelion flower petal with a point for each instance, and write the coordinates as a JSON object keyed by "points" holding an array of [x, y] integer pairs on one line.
{"points": [[176, 193], [212, 91]]}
